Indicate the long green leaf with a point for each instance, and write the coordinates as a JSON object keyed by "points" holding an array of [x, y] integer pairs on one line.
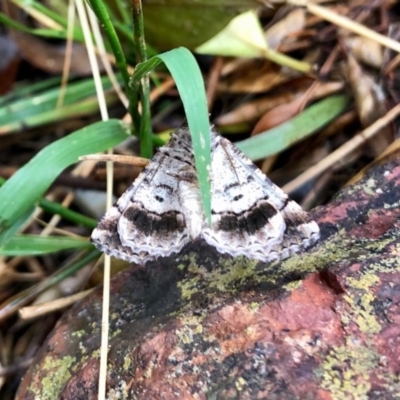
{"points": [[187, 75], [24, 245], [21, 192], [283, 136]]}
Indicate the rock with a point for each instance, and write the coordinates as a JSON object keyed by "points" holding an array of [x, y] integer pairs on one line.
{"points": [[199, 325]]}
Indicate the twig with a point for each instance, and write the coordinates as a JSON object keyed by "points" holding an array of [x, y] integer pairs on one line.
{"points": [[340, 153]]}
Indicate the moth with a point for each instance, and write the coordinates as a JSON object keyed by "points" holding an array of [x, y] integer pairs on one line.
{"points": [[162, 210]]}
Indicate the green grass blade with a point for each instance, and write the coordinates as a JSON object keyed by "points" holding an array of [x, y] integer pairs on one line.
{"points": [[25, 88], [82, 108], [283, 136], [56, 208], [66, 213], [103, 16], [189, 81], [21, 192], [32, 110], [33, 245]]}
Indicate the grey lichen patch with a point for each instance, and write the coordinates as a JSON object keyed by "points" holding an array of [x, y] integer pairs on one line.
{"points": [[394, 205], [345, 370], [59, 372], [370, 187], [121, 392]]}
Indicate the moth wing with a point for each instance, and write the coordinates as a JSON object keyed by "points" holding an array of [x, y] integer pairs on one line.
{"points": [[148, 221], [251, 216]]}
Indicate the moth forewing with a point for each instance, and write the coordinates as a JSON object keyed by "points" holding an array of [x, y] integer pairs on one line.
{"points": [[162, 210]]}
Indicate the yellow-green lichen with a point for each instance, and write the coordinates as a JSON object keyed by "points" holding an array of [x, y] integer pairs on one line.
{"points": [[292, 285], [127, 363], [240, 384], [372, 246], [79, 333], [150, 368], [57, 376], [185, 334], [345, 371], [231, 271], [188, 287], [361, 301], [115, 333], [250, 331], [254, 306], [82, 348]]}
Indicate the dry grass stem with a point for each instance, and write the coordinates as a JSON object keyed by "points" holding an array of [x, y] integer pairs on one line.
{"points": [[347, 23], [31, 312], [343, 151], [131, 160]]}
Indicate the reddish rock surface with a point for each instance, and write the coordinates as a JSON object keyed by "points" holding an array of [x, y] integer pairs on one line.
{"points": [[321, 325]]}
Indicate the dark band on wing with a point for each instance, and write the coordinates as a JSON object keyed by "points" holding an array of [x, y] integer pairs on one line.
{"points": [[236, 184], [111, 244], [249, 221], [110, 239], [181, 159], [295, 219], [148, 222]]}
